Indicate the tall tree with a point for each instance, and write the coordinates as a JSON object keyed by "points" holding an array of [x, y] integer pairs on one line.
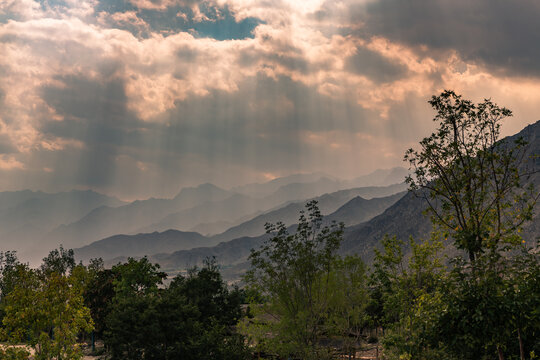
{"points": [[8, 276], [478, 191], [61, 261], [473, 182]]}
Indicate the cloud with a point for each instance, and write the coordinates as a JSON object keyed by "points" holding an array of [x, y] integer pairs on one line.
{"points": [[9, 163], [375, 66], [499, 34], [163, 4], [141, 97]]}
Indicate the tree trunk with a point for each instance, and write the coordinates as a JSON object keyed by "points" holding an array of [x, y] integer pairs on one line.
{"points": [[499, 350], [521, 348]]}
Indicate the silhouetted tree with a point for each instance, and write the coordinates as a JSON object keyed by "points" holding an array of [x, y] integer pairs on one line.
{"points": [[474, 184]]}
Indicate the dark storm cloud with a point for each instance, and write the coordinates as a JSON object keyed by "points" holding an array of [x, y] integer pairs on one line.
{"points": [[504, 35], [95, 114], [374, 66], [260, 126], [80, 97]]}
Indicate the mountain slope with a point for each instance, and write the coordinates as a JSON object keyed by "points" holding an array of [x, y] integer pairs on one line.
{"points": [[405, 218], [328, 203], [359, 210]]}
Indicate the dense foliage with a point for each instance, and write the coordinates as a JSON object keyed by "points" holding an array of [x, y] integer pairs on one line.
{"points": [[52, 309]]}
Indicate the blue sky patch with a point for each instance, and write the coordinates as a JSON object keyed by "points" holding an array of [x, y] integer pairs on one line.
{"points": [[219, 24]]}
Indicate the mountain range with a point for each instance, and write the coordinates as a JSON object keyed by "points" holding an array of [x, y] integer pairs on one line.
{"points": [[34, 222], [207, 204], [26, 215], [359, 210]]}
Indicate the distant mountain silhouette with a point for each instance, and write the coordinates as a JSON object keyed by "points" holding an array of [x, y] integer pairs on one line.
{"points": [[321, 183], [269, 187], [235, 252], [328, 203], [195, 207], [141, 244], [107, 221], [381, 177], [26, 215], [172, 240], [227, 254], [211, 228]]}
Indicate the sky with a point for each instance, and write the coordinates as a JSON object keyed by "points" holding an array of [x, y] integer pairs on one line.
{"points": [[139, 98]]}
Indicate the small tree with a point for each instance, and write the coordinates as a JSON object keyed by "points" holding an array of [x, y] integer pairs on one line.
{"points": [[48, 312], [292, 272], [206, 328], [472, 181]]}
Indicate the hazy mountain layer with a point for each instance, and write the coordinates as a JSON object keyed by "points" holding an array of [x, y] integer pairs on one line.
{"points": [[328, 203], [221, 215], [25, 215], [142, 244], [267, 188], [235, 252], [107, 221], [172, 240], [381, 177]]}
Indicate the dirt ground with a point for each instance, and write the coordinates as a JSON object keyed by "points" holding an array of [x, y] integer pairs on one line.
{"points": [[86, 350]]}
